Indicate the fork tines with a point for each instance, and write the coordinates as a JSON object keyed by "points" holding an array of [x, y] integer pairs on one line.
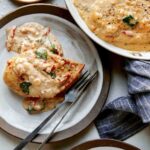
{"points": [[87, 80], [84, 76]]}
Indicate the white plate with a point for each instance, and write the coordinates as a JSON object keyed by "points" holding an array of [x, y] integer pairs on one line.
{"points": [[130, 54], [77, 47]]}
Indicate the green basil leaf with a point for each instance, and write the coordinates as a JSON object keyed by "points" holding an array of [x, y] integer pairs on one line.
{"points": [[25, 87], [30, 109], [41, 55], [53, 46], [53, 49], [130, 21], [52, 74]]}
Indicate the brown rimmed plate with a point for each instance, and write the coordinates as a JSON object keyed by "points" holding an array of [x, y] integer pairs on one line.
{"points": [[62, 25], [105, 144], [28, 1]]}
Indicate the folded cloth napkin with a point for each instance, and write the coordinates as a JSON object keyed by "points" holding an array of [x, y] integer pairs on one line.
{"points": [[125, 116]]}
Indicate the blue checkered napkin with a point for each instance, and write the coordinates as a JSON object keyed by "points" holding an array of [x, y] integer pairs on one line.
{"points": [[125, 116]]}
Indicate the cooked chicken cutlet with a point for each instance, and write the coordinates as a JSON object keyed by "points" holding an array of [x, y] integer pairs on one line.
{"points": [[40, 74], [32, 36]]}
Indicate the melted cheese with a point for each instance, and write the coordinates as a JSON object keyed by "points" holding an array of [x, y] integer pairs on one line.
{"points": [[105, 19]]}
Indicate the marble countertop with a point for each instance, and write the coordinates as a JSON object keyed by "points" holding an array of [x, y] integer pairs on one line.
{"points": [[118, 88]]}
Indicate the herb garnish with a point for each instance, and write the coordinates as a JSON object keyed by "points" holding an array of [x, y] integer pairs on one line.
{"points": [[53, 49], [25, 87], [30, 109], [130, 21], [41, 55], [33, 109], [52, 74]]}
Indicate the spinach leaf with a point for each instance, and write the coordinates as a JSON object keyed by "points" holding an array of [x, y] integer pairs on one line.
{"points": [[41, 55], [53, 49], [130, 21], [25, 87], [30, 109], [52, 74]]}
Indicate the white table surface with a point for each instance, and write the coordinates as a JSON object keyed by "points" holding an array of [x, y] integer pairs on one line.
{"points": [[118, 88]]}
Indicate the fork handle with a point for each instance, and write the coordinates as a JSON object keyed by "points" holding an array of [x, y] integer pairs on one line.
{"points": [[34, 133], [53, 130], [68, 109]]}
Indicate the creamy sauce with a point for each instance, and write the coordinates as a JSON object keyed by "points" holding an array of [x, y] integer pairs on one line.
{"points": [[37, 105], [32, 36], [105, 19]]}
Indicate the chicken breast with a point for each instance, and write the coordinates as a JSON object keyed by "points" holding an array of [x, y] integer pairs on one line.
{"points": [[33, 36], [40, 74]]}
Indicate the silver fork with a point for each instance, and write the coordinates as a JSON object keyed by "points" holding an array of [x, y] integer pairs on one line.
{"points": [[70, 97]]}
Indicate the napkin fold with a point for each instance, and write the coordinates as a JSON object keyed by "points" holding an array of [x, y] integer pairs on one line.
{"points": [[125, 116]]}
